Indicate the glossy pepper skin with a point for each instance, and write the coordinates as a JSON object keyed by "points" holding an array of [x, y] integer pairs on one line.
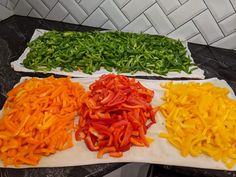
{"points": [[115, 115]]}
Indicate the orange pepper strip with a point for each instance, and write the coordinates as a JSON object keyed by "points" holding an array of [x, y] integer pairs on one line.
{"points": [[38, 119]]}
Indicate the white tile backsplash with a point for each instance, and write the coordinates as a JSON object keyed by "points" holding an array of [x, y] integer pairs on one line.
{"points": [[22, 8], [233, 3], [183, 1], [198, 39], [42, 9], [136, 7], [168, 5], [90, 5], [3, 2], [208, 27], [121, 3], [162, 23], [70, 19], [220, 8], [58, 13], [5, 12], [34, 13], [228, 25], [109, 25], [227, 42], [96, 19], [140, 24], [50, 3], [185, 31], [186, 12], [75, 10], [114, 13], [151, 31], [201, 21]]}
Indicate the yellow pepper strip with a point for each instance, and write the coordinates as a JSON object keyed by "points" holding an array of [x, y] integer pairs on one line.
{"points": [[200, 119]]}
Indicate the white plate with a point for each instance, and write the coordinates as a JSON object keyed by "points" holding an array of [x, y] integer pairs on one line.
{"points": [[17, 66], [159, 152]]}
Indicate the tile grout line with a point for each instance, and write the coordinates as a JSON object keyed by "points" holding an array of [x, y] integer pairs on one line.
{"points": [[139, 15], [125, 4], [8, 7], [16, 5], [45, 5], [30, 11], [33, 9], [150, 28], [226, 18], [68, 13], [150, 23], [232, 6], [52, 9], [121, 10], [222, 38], [92, 11], [213, 17], [83, 9], [195, 36], [200, 30], [108, 18], [104, 23], [42, 16], [167, 16]]}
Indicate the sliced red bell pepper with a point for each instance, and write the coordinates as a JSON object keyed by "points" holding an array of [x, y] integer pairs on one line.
{"points": [[105, 150], [115, 114], [89, 143], [115, 154]]}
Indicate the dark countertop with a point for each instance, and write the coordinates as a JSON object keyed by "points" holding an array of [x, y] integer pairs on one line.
{"points": [[16, 31]]}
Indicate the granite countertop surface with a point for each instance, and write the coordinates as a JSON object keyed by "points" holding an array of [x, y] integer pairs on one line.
{"points": [[16, 31]]}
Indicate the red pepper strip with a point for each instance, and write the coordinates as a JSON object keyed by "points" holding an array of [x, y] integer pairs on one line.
{"points": [[95, 133], [142, 136], [120, 136], [116, 154], [118, 99], [135, 133], [136, 141], [102, 143], [135, 122], [110, 142], [116, 136], [105, 150], [102, 121], [153, 116], [124, 148], [103, 116], [127, 135], [98, 126], [132, 107], [120, 123], [108, 98], [89, 143], [77, 136]]}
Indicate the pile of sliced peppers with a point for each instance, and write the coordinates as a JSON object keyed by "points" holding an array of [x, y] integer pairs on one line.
{"points": [[124, 52], [115, 114]]}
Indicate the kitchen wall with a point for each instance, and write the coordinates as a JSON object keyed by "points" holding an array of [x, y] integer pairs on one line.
{"points": [[6, 9], [210, 22]]}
